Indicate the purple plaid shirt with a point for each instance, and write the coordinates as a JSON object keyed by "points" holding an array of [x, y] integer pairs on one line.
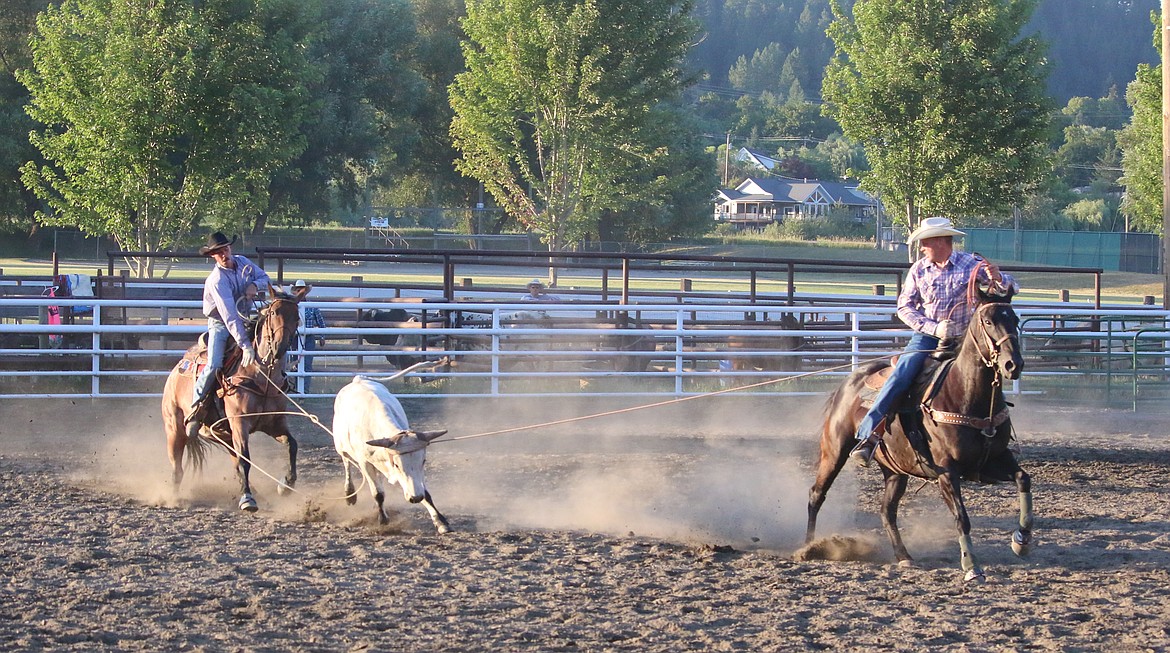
{"points": [[932, 293]]}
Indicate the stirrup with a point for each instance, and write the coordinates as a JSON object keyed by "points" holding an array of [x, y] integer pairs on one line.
{"points": [[863, 453], [197, 410]]}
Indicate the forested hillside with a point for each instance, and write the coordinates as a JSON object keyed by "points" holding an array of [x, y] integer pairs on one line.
{"points": [[351, 111], [766, 45]]}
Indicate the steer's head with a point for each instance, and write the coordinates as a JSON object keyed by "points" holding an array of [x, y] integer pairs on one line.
{"points": [[409, 449]]}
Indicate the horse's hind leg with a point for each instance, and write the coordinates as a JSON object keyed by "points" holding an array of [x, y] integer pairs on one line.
{"points": [[176, 444], [895, 489], [1022, 538], [834, 454]]}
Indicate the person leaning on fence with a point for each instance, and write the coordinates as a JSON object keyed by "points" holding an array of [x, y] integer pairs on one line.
{"points": [[313, 320], [933, 303], [225, 286], [536, 293]]}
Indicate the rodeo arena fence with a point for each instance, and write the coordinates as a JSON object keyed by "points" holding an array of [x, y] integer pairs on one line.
{"points": [[483, 342]]}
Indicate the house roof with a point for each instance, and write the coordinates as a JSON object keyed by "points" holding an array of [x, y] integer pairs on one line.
{"points": [[759, 158], [776, 189]]}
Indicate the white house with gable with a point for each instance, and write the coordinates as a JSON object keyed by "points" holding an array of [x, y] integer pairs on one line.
{"points": [[762, 201]]}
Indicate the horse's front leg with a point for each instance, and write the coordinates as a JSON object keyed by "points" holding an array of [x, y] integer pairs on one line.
{"points": [[895, 489], [948, 483], [290, 476], [243, 463], [1022, 538]]}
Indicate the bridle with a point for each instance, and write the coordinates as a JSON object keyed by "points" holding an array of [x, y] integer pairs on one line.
{"points": [[991, 359], [271, 335]]}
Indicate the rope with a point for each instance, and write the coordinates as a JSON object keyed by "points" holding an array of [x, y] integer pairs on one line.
{"points": [[668, 402], [316, 420], [312, 418]]}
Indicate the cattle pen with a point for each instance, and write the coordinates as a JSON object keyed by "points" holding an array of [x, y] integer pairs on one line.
{"points": [[662, 530], [787, 327], [516, 349]]}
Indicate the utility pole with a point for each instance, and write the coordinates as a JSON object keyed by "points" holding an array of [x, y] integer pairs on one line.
{"points": [[1165, 155], [727, 153]]}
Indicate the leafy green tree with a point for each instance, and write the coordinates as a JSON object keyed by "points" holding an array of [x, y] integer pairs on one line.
{"points": [[554, 111], [675, 201], [1141, 147], [1085, 155], [358, 124], [439, 60], [1093, 214], [946, 97], [159, 115], [17, 204]]}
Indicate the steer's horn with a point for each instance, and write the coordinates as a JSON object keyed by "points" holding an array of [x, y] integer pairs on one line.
{"points": [[399, 443], [430, 436], [390, 442]]}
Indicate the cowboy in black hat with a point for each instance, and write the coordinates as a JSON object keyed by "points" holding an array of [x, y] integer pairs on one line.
{"points": [[226, 284]]}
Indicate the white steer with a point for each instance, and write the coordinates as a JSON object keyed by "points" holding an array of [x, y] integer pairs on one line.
{"points": [[371, 432]]}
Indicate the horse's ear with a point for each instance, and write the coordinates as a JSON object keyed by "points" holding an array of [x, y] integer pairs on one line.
{"points": [[274, 291], [989, 295], [299, 292]]}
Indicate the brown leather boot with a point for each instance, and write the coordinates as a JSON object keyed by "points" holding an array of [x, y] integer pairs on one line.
{"points": [[197, 410], [863, 452]]}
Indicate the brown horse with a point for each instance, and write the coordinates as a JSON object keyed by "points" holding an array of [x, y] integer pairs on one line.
{"points": [[957, 429], [248, 394]]}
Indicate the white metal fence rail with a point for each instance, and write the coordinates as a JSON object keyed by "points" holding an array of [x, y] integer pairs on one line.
{"points": [[125, 348]]}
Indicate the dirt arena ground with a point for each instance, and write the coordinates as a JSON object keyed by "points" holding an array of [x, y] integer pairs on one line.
{"points": [[664, 530]]}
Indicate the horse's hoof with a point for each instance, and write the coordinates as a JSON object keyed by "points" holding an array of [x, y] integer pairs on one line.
{"points": [[906, 564], [1021, 544], [284, 489], [443, 529], [975, 574], [248, 504]]}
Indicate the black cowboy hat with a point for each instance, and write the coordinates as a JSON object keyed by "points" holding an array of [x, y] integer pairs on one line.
{"points": [[216, 241]]}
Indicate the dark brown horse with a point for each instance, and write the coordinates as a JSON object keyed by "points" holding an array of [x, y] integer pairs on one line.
{"points": [[249, 393], [959, 429]]}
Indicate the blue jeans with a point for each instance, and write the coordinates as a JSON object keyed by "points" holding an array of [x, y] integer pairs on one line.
{"points": [[908, 366], [217, 338], [308, 345]]}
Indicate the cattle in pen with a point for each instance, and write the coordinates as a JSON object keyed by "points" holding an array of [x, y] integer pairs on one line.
{"points": [[372, 434]]}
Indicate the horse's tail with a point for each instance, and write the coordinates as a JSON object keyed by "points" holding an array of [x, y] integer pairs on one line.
{"points": [[197, 447]]}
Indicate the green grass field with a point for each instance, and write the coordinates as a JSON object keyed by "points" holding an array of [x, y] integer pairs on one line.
{"points": [[1116, 287]]}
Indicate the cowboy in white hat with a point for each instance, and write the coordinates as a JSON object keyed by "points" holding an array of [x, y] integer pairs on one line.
{"points": [[933, 303], [536, 293], [225, 286]]}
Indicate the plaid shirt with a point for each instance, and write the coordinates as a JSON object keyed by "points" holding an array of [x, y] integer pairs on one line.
{"points": [[313, 320], [932, 293]]}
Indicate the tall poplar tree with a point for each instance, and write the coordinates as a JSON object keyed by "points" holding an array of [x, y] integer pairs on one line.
{"points": [[1141, 145], [554, 110], [946, 97]]}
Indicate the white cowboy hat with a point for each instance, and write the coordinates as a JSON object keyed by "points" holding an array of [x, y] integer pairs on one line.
{"points": [[536, 282], [300, 283], [933, 227]]}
